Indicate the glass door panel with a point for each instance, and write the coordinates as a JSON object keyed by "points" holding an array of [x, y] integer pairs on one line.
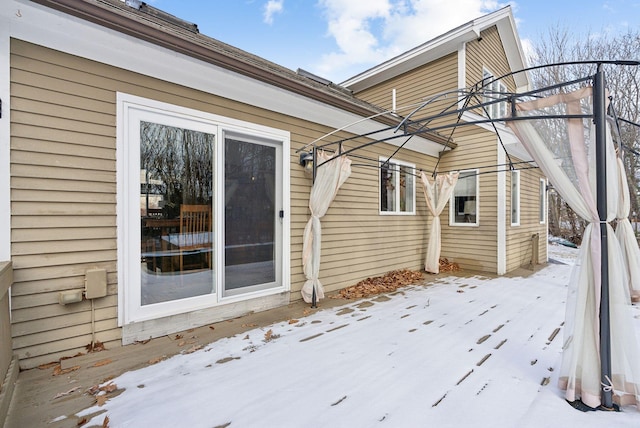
{"points": [[176, 189], [250, 219]]}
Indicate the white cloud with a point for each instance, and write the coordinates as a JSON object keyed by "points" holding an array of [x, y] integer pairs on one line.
{"points": [[529, 51], [271, 8], [369, 32]]}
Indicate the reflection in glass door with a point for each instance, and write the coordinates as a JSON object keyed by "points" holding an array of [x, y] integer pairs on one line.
{"points": [[251, 225], [177, 242]]}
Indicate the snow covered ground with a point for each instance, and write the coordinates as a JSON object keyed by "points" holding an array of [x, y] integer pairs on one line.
{"points": [[463, 352]]}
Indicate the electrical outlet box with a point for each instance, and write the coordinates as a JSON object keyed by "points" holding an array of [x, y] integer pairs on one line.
{"points": [[95, 283], [70, 296]]}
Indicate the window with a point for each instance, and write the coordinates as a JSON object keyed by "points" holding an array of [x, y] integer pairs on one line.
{"points": [[464, 201], [200, 217], [543, 201], [397, 187], [493, 91], [515, 198]]}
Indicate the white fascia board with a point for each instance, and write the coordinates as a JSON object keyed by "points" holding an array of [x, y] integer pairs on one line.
{"points": [[448, 43], [423, 54], [56, 30], [514, 52]]}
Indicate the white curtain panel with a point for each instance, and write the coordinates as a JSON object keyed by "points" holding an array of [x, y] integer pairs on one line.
{"points": [[571, 170], [626, 236], [437, 193], [329, 177]]}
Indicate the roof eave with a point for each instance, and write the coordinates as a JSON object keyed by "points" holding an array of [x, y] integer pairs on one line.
{"points": [[448, 43], [93, 12]]}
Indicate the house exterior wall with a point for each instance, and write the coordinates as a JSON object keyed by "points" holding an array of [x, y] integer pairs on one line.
{"points": [[488, 53], [473, 247], [520, 241], [493, 245], [413, 86], [63, 198], [357, 241]]}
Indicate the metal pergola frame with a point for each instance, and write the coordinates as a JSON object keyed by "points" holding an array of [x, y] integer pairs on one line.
{"points": [[407, 128]]}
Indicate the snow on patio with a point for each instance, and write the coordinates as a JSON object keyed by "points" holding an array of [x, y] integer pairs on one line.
{"points": [[463, 352]]}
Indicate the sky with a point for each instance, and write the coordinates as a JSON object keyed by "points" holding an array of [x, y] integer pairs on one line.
{"points": [[462, 351], [337, 39]]}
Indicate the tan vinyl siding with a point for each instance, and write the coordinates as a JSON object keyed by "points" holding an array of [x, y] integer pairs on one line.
{"points": [[358, 242], [473, 247], [519, 238], [415, 86], [487, 53], [63, 198]]}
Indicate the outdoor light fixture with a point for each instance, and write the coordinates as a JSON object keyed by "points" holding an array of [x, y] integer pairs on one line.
{"points": [[306, 161]]}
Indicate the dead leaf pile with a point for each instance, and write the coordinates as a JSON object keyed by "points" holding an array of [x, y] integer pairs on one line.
{"points": [[389, 282], [447, 266], [96, 346]]}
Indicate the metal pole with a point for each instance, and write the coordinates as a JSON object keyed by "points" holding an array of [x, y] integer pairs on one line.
{"points": [[599, 117], [314, 298]]}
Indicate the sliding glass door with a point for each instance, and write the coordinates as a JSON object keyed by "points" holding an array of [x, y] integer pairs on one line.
{"points": [[201, 211], [251, 215], [176, 216]]}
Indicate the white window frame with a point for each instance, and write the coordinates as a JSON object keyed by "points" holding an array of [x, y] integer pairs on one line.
{"points": [[130, 111], [542, 204], [396, 210], [452, 202], [496, 110], [515, 198]]}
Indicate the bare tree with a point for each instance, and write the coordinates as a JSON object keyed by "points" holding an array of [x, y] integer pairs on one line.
{"points": [[559, 45]]}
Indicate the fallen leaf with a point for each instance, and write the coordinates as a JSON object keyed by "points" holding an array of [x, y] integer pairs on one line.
{"points": [[81, 422], [267, 335], [101, 399], [95, 347], [193, 349], [48, 365], [105, 422], [57, 370], [156, 360], [103, 363], [212, 327], [62, 394], [447, 266], [293, 321], [182, 343], [178, 336], [110, 387]]}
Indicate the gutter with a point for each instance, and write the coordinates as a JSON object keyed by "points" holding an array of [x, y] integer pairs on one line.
{"points": [[98, 13]]}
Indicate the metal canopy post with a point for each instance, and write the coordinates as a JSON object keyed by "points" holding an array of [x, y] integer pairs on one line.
{"points": [[599, 117], [314, 297]]}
